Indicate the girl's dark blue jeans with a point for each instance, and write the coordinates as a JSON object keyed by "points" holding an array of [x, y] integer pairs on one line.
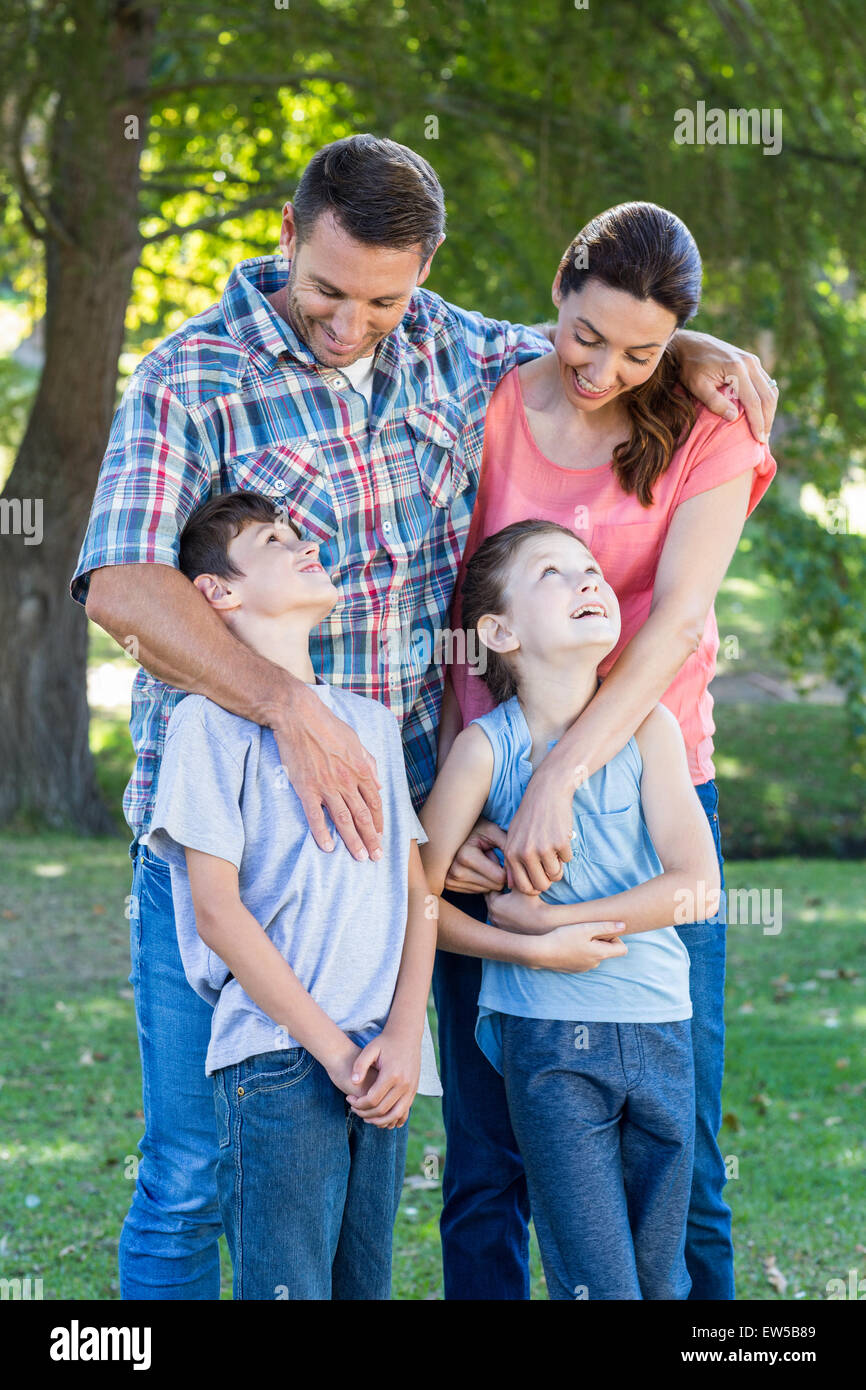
{"points": [[484, 1225]]}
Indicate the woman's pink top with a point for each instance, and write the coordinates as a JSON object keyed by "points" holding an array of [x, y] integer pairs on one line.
{"points": [[518, 481]]}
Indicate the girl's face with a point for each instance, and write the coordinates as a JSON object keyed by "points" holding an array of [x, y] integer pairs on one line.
{"points": [[558, 603], [607, 342]]}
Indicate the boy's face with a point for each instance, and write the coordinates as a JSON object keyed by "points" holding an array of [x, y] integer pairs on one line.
{"points": [[281, 572], [559, 601]]}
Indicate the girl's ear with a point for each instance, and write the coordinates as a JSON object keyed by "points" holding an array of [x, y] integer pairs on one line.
{"points": [[495, 634]]}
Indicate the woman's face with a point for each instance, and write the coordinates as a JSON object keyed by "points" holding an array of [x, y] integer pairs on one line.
{"points": [[607, 342]]}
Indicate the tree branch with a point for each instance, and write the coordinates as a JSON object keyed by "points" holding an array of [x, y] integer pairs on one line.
{"points": [[205, 224], [30, 200]]}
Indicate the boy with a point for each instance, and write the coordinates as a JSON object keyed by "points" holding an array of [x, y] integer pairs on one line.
{"points": [[318, 965]]}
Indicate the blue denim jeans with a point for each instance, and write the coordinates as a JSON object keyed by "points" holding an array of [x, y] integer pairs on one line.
{"points": [[604, 1116], [709, 1246], [308, 1191], [485, 1214], [169, 1242]]}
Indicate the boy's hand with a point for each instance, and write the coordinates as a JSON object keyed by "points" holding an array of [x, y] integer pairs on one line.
{"points": [[582, 946], [521, 912], [388, 1069], [342, 1068]]}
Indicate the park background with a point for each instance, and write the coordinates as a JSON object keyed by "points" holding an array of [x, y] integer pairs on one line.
{"points": [[145, 149]]}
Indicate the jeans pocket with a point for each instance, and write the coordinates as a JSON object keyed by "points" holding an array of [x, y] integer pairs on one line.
{"points": [[270, 1071], [221, 1109]]}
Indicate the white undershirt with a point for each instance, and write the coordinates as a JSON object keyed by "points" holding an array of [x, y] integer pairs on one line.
{"points": [[360, 374]]}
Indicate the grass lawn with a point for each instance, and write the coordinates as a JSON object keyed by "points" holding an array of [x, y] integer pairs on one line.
{"points": [[70, 1114]]}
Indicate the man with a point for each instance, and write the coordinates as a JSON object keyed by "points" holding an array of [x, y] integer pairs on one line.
{"points": [[324, 377]]}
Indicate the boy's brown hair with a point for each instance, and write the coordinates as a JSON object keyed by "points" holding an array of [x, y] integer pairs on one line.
{"points": [[205, 539]]}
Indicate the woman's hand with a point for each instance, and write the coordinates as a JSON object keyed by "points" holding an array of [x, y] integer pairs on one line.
{"points": [[540, 834], [707, 364], [474, 868], [526, 913]]}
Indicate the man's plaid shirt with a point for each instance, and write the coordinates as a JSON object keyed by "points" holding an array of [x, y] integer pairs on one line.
{"points": [[234, 399]]}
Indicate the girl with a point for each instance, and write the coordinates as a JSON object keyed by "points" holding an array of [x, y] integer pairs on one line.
{"points": [[598, 436], [592, 1037]]}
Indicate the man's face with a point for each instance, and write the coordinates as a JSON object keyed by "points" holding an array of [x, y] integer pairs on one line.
{"points": [[344, 297]]}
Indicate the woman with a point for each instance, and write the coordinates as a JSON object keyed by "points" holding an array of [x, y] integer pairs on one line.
{"points": [[598, 435]]}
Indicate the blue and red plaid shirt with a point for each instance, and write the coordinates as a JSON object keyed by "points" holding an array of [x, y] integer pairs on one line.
{"points": [[234, 399]]}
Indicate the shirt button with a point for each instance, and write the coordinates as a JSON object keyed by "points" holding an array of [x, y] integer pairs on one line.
{"points": [[280, 485], [338, 383], [386, 526]]}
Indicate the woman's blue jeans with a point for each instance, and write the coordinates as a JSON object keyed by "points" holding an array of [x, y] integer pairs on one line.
{"points": [[485, 1216]]}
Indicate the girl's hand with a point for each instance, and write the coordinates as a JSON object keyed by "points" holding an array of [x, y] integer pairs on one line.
{"points": [[521, 912], [582, 946], [475, 869]]}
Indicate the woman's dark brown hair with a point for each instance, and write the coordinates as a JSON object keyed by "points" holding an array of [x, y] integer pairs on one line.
{"points": [[485, 590], [649, 253]]}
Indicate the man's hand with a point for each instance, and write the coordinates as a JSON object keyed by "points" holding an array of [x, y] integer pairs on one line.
{"points": [[387, 1072], [526, 913], [475, 869], [707, 364], [328, 766], [580, 947]]}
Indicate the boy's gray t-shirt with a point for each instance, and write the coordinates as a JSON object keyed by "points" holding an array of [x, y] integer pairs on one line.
{"points": [[339, 922]]}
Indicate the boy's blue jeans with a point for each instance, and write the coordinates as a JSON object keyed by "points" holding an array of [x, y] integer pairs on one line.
{"points": [[484, 1227], [604, 1116], [169, 1243], [308, 1191]]}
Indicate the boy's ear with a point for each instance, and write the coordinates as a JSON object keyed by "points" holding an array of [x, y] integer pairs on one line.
{"points": [[216, 591], [495, 634]]}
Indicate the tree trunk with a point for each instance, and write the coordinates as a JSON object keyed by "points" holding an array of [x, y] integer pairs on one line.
{"points": [[92, 247]]}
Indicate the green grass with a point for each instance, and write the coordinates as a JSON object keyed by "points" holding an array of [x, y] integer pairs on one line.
{"points": [[70, 1115]]}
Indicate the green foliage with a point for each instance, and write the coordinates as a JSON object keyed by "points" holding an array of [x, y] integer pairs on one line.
{"points": [[535, 117]]}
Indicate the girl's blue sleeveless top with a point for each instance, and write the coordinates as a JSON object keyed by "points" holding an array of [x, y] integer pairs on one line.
{"points": [[611, 851]]}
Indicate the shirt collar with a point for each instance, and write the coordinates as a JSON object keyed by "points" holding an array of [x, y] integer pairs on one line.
{"points": [[257, 327]]}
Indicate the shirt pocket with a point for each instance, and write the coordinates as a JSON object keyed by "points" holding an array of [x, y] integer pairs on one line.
{"points": [[628, 555], [436, 428], [291, 474], [610, 838]]}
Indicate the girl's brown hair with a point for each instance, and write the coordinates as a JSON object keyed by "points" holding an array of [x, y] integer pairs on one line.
{"points": [[485, 590], [649, 253]]}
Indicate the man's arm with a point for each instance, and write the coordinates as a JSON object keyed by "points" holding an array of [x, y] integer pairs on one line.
{"points": [[232, 932], [182, 641], [707, 364]]}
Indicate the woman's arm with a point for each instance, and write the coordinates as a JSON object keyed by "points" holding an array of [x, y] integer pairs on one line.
{"points": [[702, 538], [450, 812], [689, 885]]}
